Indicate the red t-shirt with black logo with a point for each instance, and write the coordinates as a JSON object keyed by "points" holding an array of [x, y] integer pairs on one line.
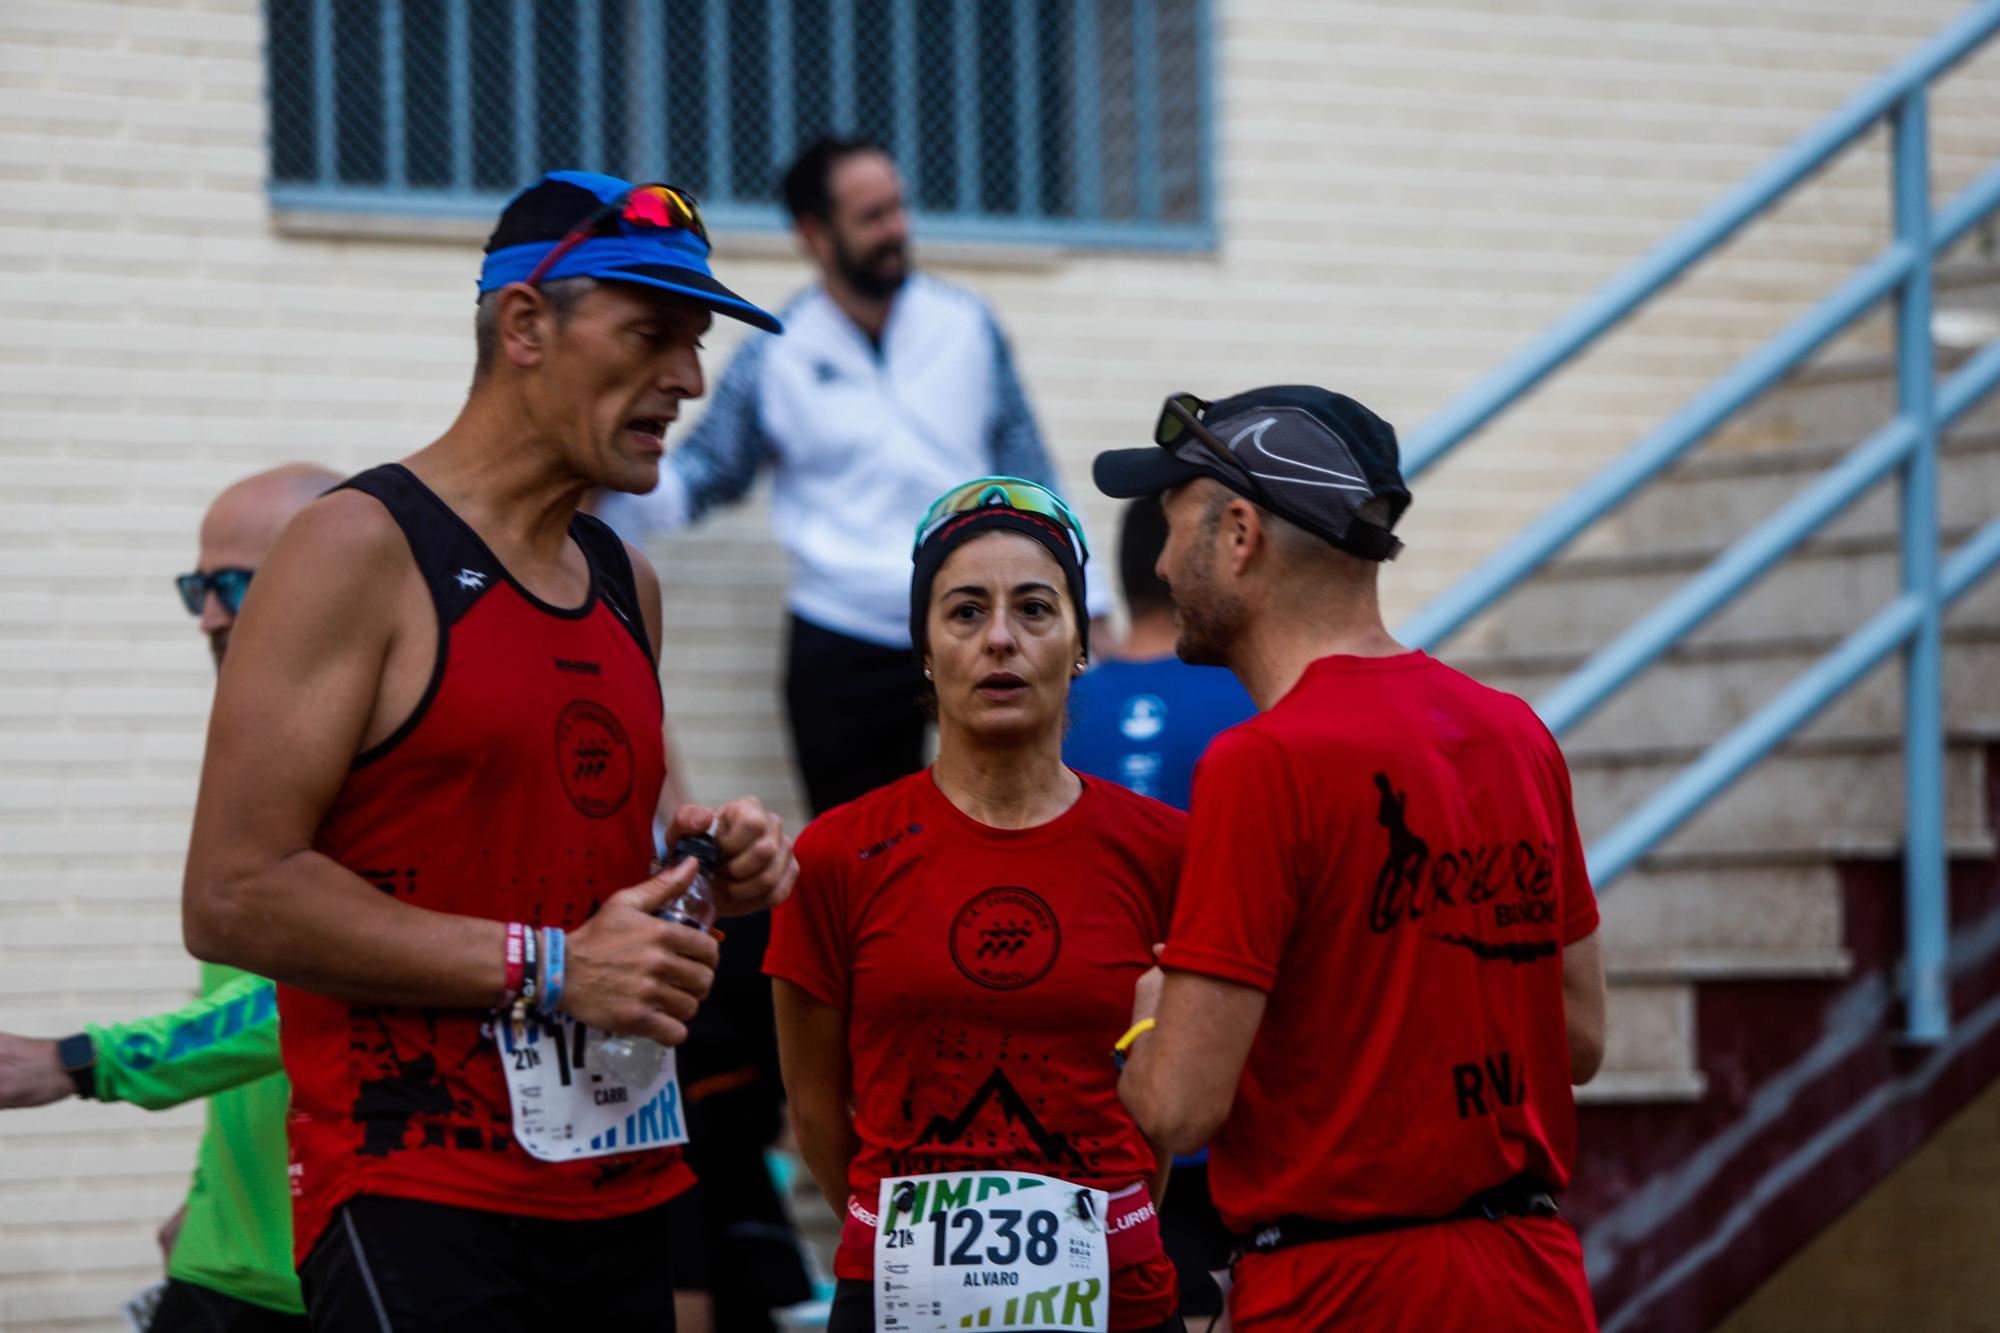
{"points": [[985, 974], [1390, 853]]}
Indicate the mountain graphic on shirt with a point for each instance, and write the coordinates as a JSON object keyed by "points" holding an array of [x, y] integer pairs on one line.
{"points": [[1014, 1107]]}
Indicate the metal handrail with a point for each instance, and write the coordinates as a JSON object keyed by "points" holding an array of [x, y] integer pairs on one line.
{"points": [[1907, 444]]}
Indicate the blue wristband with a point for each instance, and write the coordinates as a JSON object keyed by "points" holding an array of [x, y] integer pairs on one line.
{"points": [[553, 942]]}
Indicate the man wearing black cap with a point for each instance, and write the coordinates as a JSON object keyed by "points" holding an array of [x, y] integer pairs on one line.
{"points": [[427, 806], [1383, 972]]}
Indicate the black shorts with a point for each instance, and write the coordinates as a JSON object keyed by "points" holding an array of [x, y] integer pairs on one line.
{"points": [[1195, 1239], [404, 1264], [190, 1308]]}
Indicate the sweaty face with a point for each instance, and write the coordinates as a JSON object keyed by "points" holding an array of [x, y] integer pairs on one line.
{"points": [[614, 378], [870, 229], [1206, 616], [1003, 639]]}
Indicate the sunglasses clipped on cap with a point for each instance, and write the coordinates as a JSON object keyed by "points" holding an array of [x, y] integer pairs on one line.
{"points": [[1024, 497], [1326, 499], [228, 584], [1181, 433], [650, 207]]}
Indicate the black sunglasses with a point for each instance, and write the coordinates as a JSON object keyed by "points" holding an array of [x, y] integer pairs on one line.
{"points": [[228, 584], [1181, 433]]}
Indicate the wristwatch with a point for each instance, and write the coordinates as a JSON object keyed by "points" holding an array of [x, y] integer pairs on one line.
{"points": [[78, 1057]]}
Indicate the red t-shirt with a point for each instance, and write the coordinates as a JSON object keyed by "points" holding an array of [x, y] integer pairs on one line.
{"points": [[1390, 853], [522, 790], [985, 974]]}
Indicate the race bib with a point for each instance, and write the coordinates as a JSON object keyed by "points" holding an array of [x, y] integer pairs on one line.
{"points": [[990, 1249], [565, 1110]]}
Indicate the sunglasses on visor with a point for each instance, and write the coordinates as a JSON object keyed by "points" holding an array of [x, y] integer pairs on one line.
{"points": [[654, 207], [228, 584], [1003, 493]]}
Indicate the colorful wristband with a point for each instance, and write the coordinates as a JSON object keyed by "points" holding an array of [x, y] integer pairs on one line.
{"points": [[530, 969], [554, 947], [515, 930], [1123, 1048]]}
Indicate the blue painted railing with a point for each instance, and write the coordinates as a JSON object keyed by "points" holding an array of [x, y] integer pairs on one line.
{"points": [[1907, 445], [374, 107]]}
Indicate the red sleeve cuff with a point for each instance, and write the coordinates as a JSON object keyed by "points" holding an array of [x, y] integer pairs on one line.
{"points": [[1580, 925], [1183, 957], [805, 976]]}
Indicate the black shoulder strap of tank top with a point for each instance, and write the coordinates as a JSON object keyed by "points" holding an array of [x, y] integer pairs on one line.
{"points": [[616, 584], [457, 566]]}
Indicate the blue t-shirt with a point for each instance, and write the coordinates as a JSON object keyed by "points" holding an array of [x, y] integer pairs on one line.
{"points": [[1143, 724]]}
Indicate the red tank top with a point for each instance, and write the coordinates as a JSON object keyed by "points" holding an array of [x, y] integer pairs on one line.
{"points": [[521, 789]]}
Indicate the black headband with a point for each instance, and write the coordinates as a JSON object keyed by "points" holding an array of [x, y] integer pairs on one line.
{"points": [[932, 554]]}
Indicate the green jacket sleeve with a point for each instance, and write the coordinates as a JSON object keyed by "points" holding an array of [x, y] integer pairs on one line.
{"points": [[226, 1038]]}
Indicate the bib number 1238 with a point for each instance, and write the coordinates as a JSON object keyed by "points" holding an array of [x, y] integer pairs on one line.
{"points": [[990, 1249]]}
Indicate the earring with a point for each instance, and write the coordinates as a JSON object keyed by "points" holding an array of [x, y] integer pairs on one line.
{"points": [[927, 673]]}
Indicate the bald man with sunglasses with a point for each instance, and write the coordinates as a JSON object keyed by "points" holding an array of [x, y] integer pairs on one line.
{"points": [[428, 801], [228, 1248]]}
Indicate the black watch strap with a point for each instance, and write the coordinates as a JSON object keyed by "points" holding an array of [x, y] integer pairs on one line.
{"points": [[78, 1055]]}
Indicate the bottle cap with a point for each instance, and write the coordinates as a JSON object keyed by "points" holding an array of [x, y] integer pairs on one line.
{"points": [[700, 846]]}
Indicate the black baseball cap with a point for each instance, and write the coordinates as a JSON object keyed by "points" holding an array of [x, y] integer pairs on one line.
{"points": [[1307, 454]]}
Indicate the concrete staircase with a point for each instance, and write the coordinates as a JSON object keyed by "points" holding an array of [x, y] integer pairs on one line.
{"points": [[1755, 888]]}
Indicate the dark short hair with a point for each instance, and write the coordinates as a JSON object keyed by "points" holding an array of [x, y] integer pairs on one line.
{"points": [[1141, 537], [808, 183]]}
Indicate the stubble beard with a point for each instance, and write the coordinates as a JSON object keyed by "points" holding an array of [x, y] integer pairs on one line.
{"points": [[866, 273], [1205, 620]]}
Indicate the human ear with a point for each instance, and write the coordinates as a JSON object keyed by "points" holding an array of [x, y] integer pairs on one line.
{"points": [[520, 322]]}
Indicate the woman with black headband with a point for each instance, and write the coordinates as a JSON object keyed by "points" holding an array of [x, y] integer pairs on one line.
{"points": [[956, 965]]}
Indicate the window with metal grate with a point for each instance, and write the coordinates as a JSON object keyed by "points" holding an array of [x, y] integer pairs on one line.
{"points": [[1063, 122]]}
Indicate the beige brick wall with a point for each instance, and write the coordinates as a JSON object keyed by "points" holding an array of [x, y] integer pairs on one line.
{"points": [[1410, 188]]}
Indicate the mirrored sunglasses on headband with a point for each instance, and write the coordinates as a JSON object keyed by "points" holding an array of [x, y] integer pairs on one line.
{"points": [[655, 207], [1014, 493], [228, 584]]}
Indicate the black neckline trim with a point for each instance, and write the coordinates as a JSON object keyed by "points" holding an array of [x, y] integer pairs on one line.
{"points": [[578, 612]]}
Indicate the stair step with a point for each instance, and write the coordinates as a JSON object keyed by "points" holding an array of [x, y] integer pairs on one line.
{"points": [[1706, 964], [1835, 402], [1685, 921], [1710, 502], [1825, 588], [1845, 844], [1628, 1087], [1649, 1026], [1817, 793], [1696, 696]]}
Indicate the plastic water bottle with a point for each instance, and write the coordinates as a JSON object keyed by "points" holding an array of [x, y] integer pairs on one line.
{"points": [[636, 1061]]}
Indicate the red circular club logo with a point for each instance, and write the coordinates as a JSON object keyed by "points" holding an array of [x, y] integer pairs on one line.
{"points": [[593, 758], [1006, 938]]}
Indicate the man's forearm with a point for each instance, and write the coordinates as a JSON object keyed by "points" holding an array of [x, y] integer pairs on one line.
{"points": [[309, 922], [227, 1038]]}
